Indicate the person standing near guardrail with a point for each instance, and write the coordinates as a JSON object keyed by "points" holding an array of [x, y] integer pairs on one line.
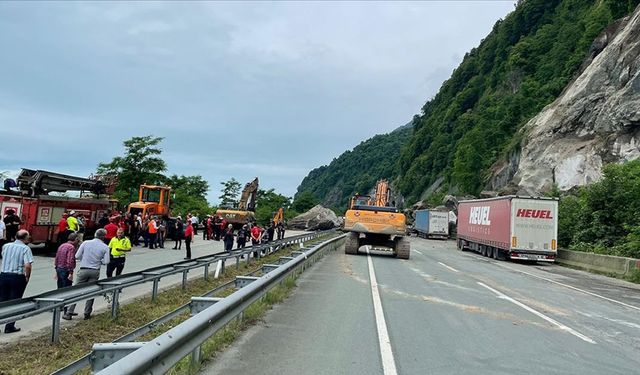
{"points": [[118, 246], [227, 238], [65, 262], [92, 255], [188, 237], [16, 271]]}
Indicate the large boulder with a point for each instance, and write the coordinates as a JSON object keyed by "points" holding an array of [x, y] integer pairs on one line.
{"points": [[317, 218]]}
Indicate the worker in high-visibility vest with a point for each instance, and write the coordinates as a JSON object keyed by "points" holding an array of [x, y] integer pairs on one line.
{"points": [[153, 232], [72, 222], [119, 246]]}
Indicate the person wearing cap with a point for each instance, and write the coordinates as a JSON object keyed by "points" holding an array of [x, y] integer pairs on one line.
{"points": [[72, 222], [119, 246]]}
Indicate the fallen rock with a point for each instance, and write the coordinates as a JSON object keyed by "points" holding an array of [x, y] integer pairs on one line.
{"points": [[317, 218]]}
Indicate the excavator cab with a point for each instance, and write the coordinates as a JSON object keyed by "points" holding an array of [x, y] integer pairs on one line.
{"points": [[152, 200]]}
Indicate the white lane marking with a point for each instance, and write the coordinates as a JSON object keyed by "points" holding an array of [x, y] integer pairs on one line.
{"points": [[418, 251], [388, 362], [535, 312], [451, 268], [573, 287]]}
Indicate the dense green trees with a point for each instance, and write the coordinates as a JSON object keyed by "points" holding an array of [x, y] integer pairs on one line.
{"points": [[603, 216], [230, 195], [142, 164], [521, 66]]}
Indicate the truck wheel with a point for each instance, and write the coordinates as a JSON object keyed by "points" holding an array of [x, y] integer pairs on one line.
{"points": [[402, 248], [494, 253], [351, 244]]}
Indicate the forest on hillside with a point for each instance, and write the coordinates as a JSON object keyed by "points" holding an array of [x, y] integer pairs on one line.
{"points": [[519, 68], [357, 170]]}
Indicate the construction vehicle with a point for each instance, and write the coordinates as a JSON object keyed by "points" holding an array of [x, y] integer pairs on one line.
{"points": [[152, 200], [245, 212], [41, 199], [375, 222], [278, 217]]}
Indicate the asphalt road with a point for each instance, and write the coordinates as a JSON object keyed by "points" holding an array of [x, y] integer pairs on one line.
{"points": [[445, 312], [140, 258]]}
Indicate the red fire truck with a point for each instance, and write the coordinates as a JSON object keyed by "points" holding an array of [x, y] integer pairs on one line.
{"points": [[34, 200]]}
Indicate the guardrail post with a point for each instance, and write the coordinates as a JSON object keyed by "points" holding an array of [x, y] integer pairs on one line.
{"points": [[184, 279], [115, 304], [238, 262], [206, 271], [55, 323], [154, 291], [195, 357], [55, 326]]}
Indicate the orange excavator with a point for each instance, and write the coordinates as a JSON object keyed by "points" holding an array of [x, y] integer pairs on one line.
{"points": [[374, 221], [245, 212]]}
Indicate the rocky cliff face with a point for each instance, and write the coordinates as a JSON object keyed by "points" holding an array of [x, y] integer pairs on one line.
{"points": [[594, 122]]}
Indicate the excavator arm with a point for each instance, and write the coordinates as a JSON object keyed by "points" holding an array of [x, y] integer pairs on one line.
{"points": [[248, 197]]}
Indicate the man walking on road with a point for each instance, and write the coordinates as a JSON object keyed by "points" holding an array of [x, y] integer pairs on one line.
{"points": [[92, 255], [119, 246], [16, 271]]}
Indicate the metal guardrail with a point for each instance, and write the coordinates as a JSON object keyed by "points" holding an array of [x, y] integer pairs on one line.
{"points": [[210, 315], [55, 300], [85, 360]]}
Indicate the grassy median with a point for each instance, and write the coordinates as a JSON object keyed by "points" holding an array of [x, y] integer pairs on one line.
{"points": [[37, 356]]}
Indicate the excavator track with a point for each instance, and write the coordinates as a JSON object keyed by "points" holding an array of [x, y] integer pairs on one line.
{"points": [[351, 243], [402, 247]]}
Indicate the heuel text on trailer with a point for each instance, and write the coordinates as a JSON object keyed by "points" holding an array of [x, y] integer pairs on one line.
{"points": [[480, 215], [535, 214]]}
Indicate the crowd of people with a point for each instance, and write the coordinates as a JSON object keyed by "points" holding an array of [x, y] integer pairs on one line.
{"points": [[114, 238]]}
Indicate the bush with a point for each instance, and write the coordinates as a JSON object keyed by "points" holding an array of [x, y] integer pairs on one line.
{"points": [[602, 217]]}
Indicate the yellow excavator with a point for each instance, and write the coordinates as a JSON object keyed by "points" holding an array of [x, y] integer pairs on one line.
{"points": [[245, 212], [374, 221]]}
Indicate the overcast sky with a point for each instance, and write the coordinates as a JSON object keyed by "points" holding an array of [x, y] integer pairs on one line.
{"points": [[239, 90]]}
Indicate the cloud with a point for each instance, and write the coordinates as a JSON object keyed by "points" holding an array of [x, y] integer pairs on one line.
{"points": [[272, 89]]}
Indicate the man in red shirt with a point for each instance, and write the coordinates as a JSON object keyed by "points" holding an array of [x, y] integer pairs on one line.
{"points": [[62, 229], [112, 231]]}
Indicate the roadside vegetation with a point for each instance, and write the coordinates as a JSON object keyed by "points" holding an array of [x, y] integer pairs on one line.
{"points": [[35, 355], [603, 217]]}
